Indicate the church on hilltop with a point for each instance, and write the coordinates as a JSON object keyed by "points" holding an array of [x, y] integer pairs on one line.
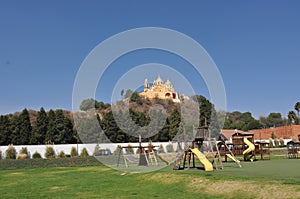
{"points": [[160, 89]]}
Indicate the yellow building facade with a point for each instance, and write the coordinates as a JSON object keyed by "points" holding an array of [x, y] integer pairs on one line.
{"points": [[160, 89]]}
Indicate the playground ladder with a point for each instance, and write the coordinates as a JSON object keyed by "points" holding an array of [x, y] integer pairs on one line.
{"points": [[212, 141], [152, 158]]}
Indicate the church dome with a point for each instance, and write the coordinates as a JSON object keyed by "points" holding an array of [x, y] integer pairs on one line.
{"points": [[169, 84]]}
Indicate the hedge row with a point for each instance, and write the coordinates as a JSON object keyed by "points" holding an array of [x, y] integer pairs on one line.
{"points": [[44, 163]]}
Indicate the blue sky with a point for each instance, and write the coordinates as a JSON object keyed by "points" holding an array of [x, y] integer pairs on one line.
{"points": [[256, 46]]}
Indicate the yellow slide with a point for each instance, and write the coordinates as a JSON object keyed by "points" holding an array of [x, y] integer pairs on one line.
{"points": [[250, 148], [206, 163]]}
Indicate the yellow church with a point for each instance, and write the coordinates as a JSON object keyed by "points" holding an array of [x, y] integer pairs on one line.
{"points": [[160, 89]]}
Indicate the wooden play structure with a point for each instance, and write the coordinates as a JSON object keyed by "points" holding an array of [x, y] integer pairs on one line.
{"points": [[190, 151], [262, 149], [204, 148], [146, 155], [243, 145], [225, 151], [293, 149]]}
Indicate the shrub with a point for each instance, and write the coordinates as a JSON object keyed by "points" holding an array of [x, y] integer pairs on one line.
{"points": [[276, 143], [24, 151], [61, 154], [73, 152], [281, 142], [161, 149], [135, 97], [0, 155], [170, 148], [21, 156], [47, 163], [10, 152], [271, 143], [84, 153], [49, 152], [273, 136], [117, 150], [36, 155]]}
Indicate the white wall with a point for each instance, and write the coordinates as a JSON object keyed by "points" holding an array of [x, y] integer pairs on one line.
{"points": [[90, 147]]}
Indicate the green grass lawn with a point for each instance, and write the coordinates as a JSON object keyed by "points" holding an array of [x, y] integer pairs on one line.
{"points": [[278, 178]]}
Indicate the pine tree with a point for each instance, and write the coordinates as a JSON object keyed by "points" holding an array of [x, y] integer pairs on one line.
{"points": [[68, 135], [14, 128], [175, 120], [88, 128], [25, 127], [51, 128], [110, 127], [59, 127], [40, 128], [4, 130]]}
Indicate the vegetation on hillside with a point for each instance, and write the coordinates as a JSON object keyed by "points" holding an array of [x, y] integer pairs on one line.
{"points": [[126, 119]]}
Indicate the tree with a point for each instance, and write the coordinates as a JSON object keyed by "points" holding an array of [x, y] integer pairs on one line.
{"points": [[14, 128], [215, 122], [273, 119], [40, 128], [4, 130], [51, 128], [59, 134], [25, 127], [101, 105], [254, 124], [205, 108], [292, 117], [135, 97], [242, 121], [297, 107], [68, 134], [88, 129], [128, 93], [112, 130], [88, 104], [174, 123]]}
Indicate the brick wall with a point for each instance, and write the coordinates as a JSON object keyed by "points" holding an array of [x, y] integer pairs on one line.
{"points": [[285, 132]]}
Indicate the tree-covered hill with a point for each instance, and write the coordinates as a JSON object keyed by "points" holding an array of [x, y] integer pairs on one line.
{"points": [[126, 119], [169, 119]]}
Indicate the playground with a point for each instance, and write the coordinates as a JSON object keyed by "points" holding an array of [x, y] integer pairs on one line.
{"points": [[278, 178], [203, 167]]}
